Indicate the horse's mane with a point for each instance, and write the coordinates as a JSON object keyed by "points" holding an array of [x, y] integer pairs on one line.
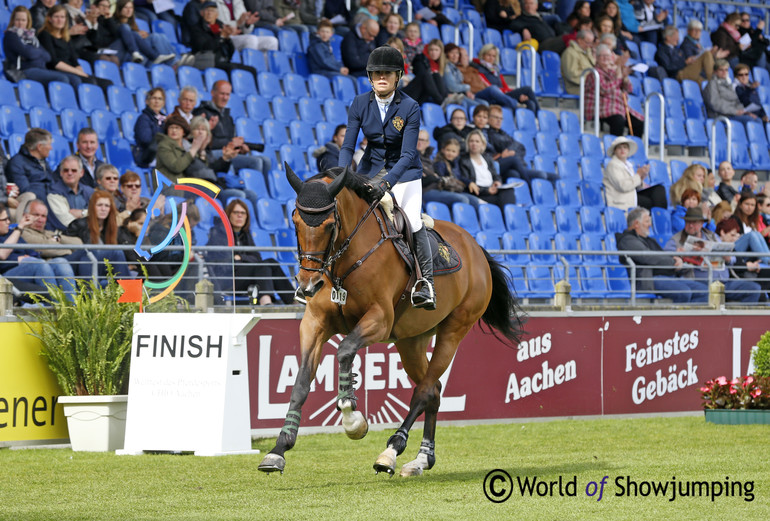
{"points": [[354, 181]]}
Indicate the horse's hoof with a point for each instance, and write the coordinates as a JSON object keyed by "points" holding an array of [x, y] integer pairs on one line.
{"points": [[272, 463], [354, 423], [416, 466], [386, 462]]}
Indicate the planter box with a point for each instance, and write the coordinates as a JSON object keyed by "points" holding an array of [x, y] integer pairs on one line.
{"points": [[96, 423], [738, 416]]}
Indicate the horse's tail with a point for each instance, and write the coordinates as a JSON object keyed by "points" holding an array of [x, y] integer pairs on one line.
{"points": [[503, 312]]}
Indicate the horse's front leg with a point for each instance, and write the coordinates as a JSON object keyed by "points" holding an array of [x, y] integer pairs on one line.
{"points": [[311, 343], [368, 330]]}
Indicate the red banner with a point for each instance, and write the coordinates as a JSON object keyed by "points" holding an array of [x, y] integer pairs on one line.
{"points": [[564, 366]]}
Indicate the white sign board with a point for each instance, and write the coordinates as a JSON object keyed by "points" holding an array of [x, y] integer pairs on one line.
{"points": [[189, 384]]}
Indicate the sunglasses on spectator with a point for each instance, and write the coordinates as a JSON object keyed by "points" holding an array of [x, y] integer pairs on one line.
{"points": [[133, 185]]}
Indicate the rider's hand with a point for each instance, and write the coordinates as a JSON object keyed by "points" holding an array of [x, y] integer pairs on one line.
{"points": [[377, 191]]}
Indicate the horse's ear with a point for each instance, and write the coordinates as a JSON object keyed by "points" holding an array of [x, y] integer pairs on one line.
{"points": [[294, 181], [336, 185]]}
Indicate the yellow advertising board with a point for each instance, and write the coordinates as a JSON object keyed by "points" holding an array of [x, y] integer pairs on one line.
{"points": [[28, 390]]}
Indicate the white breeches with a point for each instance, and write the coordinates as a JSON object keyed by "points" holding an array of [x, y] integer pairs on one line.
{"points": [[251, 41], [409, 197]]}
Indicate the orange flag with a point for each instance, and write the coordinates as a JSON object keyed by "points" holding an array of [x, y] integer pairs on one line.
{"points": [[132, 291]]}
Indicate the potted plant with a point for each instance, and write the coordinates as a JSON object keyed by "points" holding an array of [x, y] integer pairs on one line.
{"points": [[742, 400], [86, 340]]}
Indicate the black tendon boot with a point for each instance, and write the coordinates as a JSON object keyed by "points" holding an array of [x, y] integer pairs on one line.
{"points": [[425, 297]]}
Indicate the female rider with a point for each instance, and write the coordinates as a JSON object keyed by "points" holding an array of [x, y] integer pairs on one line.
{"points": [[390, 121]]}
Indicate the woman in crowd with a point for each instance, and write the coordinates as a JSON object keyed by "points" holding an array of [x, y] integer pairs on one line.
{"points": [[100, 226], [500, 13], [55, 39], [441, 184], [745, 267], [392, 27], [211, 43], [128, 233], [720, 96], [24, 52], [693, 177], [614, 86], [412, 42], [129, 197], [177, 157], [747, 92], [149, 123], [428, 69], [478, 172], [691, 198], [457, 128], [249, 267], [487, 64], [728, 36], [624, 185], [140, 44], [457, 89]]}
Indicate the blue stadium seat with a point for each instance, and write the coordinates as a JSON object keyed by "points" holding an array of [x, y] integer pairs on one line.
{"points": [[661, 223], [517, 219], [651, 85], [308, 111], [295, 157], [525, 120], [235, 104], [490, 241], [190, 76], [428, 32], [542, 193], [213, 75], [567, 167], [740, 157], [677, 168], [127, 124], [567, 192], [756, 133], [592, 242], [72, 120], [432, 116], [254, 58], [464, 215], [762, 76], [546, 145], [269, 84], [243, 83], [617, 282], [569, 122], [162, 75], [279, 186], [494, 37], [548, 122], [553, 84], [108, 70], [592, 146], [544, 163], [658, 173], [672, 89], [167, 29], [541, 242], [31, 93], [569, 145], [270, 214], [321, 87], [507, 58], [301, 133], [258, 107], [696, 132], [119, 153], [567, 241], [15, 142], [294, 86], [335, 111], [615, 220], [592, 281], [523, 196], [344, 88], [120, 99], [105, 124], [528, 140], [288, 41], [542, 220], [254, 181], [648, 51], [278, 63], [62, 96], [286, 237], [591, 193], [283, 109], [12, 121], [591, 169], [438, 211], [60, 148], [248, 129], [591, 220], [91, 98], [515, 241], [43, 117], [566, 220], [362, 85], [759, 156], [135, 76], [491, 219]]}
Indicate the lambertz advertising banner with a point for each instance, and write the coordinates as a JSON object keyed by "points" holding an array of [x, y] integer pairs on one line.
{"points": [[564, 366]]}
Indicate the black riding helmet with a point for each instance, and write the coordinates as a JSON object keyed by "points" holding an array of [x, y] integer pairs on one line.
{"points": [[385, 58]]}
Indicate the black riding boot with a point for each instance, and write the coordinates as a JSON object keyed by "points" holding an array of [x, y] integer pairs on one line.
{"points": [[425, 297]]}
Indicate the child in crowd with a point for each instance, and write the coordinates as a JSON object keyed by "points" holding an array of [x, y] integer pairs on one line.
{"points": [[412, 42], [320, 58]]}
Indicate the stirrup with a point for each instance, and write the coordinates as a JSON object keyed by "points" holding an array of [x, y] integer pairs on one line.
{"points": [[429, 301]]}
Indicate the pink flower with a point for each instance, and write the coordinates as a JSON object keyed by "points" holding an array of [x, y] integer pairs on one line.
{"points": [[748, 381], [721, 380], [735, 381], [756, 393], [705, 389]]}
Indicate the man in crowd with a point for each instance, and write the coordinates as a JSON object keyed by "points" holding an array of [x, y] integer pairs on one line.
{"points": [[68, 197], [87, 145], [672, 58], [578, 57], [29, 168], [736, 290], [327, 156], [357, 45], [656, 274]]}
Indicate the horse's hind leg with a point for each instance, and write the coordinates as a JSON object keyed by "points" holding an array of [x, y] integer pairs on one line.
{"points": [[426, 456]]}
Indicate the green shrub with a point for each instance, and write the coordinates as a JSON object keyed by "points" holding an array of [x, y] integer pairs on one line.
{"points": [[762, 356]]}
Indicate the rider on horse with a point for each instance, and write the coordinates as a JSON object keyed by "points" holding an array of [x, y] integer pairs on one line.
{"points": [[390, 120]]}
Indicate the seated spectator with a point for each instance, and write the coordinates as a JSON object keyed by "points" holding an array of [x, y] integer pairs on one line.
{"points": [[747, 92], [459, 91], [80, 33], [747, 214], [709, 196], [693, 177], [336, 11], [614, 86], [439, 180], [691, 46], [176, 154], [432, 13], [611, 10], [320, 58], [677, 65], [129, 197], [487, 64], [624, 186], [148, 11], [28, 169], [140, 45], [38, 12], [291, 14], [749, 181], [583, 24], [237, 271], [211, 42], [223, 131], [108, 179], [755, 55], [87, 145], [54, 37], [578, 57], [233, 13], [478, 173], [606, 27], [531, 25], [726, 190], [328, 155], [357, 45], [728, 36], [500, 14], [413, 45], [720, 97], [736, 290], [149, 123], [368, 10], [392, 27], [690, 199], [508, 152], [23, 51], [9, 197], [428, 68], [100, 226], [68, 198], [128, 234], [745, 267], [25, 265], [656, 274], [651, 20], [188, 100], [457, 128]]}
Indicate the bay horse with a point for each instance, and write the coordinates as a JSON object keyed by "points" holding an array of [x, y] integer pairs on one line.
{"points": [[355, 283]]}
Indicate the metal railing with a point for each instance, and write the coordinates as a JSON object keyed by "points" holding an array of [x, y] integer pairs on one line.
{"points": [[582, 102], [712, 134], [647, 123], [532, 65]]}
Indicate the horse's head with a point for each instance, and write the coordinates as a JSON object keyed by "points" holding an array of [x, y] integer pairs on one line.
{"points": [[317, 223]]}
